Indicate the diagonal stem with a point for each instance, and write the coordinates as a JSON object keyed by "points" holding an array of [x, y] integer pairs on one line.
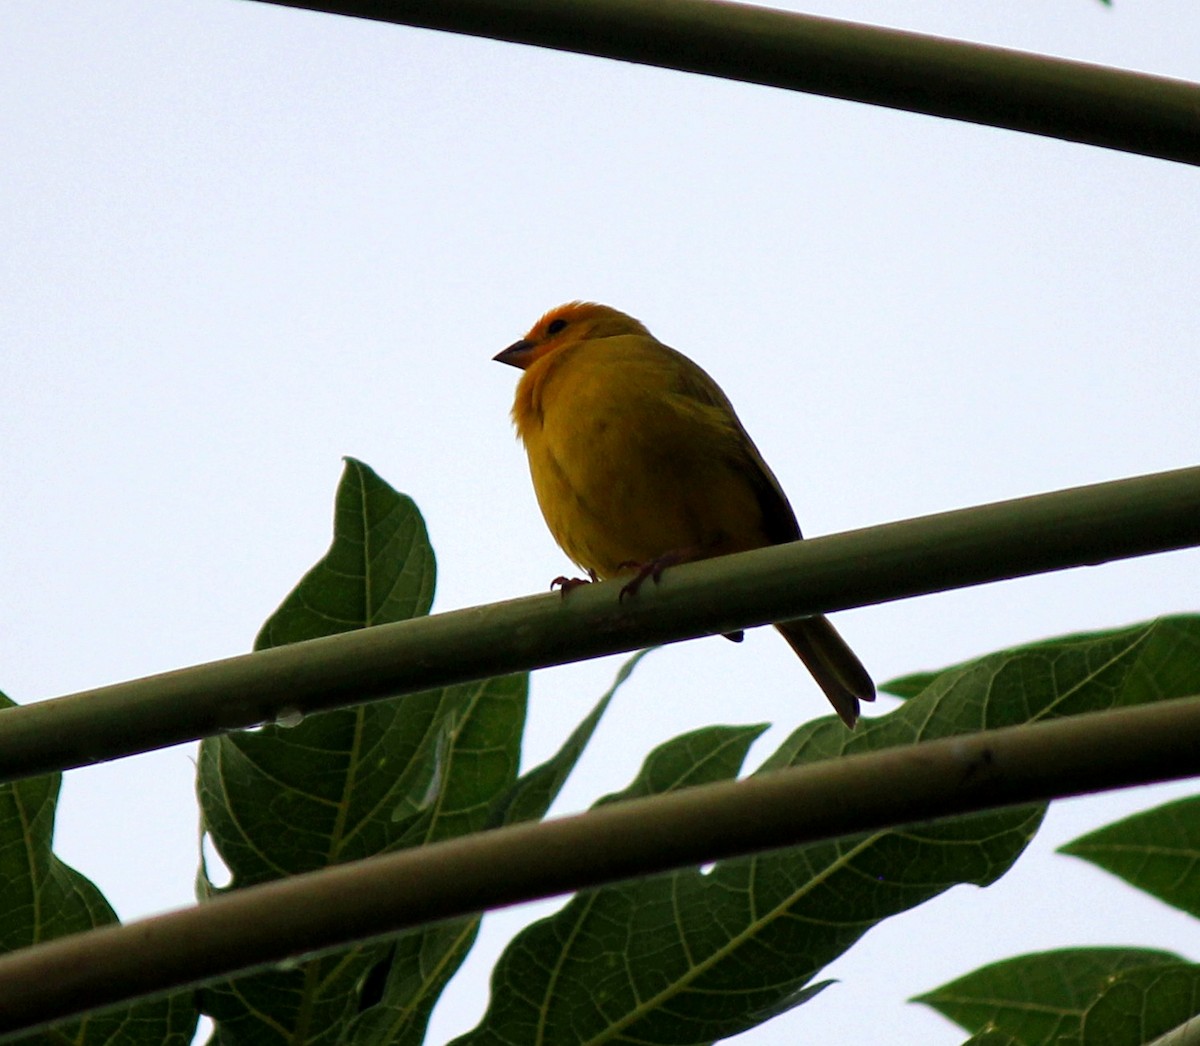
{"points": [[277, 921], [1074, 101], [1082, 526]]}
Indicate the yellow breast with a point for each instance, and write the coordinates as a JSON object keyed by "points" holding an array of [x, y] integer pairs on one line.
{"points": [[626, 464]]}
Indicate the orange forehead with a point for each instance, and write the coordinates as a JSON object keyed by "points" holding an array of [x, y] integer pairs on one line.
{"points": [[572, 312]]}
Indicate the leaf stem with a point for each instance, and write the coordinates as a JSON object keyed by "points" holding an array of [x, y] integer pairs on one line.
{"points": [[1074, 101], [277, 921], [1007, 539]]}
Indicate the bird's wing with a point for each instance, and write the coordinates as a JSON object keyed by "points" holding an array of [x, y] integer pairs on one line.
{"points": [[779, 521]]}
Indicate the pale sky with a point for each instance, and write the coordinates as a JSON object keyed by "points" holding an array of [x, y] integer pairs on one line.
{"points": [[242, 241]]}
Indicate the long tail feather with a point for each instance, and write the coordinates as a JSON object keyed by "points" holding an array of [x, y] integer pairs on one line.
{"points": [[834, 666]]}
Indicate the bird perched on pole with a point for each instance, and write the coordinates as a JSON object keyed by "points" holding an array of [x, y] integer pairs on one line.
{"points": [[639, 462]]}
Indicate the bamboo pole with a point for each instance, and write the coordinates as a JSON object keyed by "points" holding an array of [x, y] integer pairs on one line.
{"points": [[1069, 528], [276, 922], [1074, 101]]}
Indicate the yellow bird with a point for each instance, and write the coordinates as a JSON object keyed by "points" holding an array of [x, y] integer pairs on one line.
{"points": [[639, 462]]}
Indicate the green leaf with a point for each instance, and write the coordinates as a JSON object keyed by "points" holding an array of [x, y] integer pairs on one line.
{"points": [[45, 898], [380, 567], [1157, 851], [712, 753], [356, 782], [531, 796], [995, 1038], [402, 989], [908, 686], [399, 994], [1041, 997], [912, 684], [577, 939], [1140, 1005], [693, 958]]}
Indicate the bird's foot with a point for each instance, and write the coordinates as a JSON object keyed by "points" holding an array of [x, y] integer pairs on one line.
{"points": [[568, 583], [653, 570]]}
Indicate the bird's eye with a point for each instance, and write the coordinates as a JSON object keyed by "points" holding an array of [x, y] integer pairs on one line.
{"points": [[554, 326]]}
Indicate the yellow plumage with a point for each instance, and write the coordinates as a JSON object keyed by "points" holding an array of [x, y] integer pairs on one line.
{"points": [[639, 460]]}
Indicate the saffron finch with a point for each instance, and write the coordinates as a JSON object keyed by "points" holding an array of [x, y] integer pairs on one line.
{"points": [[639, 462]]}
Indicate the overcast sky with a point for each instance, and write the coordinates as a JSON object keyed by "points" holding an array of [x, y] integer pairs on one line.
{"points": [[241, 241]]}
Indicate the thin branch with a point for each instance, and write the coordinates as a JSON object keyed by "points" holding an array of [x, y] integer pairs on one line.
{"points": [[267, 924], [1074, 101], [1007, 539]]}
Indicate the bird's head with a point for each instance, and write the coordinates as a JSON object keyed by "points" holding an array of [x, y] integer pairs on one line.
{"points": [[574, 322]]}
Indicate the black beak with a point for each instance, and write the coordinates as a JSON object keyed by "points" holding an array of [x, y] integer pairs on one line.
{"points": [[519, 354]]}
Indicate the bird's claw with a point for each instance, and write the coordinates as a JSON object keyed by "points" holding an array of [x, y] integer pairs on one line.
{"points": [[568, 583], [654, 570]]}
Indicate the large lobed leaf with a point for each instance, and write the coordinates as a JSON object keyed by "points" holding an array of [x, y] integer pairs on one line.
{"points": [[411, 979], [1043, 997], [45, 898], [1109, 996], [1140, 1005], [298, 796], [356, 782], [1157, 851], [687, 958], [531, 796], [693, 958]]}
